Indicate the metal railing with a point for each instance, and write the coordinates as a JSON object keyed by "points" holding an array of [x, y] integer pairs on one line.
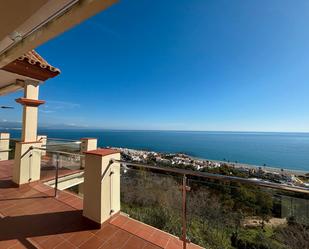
{"points": [[61, 144], [9, 150], [185, 172], [66, 144], [57, 161], [201, 175], [185, 176], [11, 139], [62, 139]]}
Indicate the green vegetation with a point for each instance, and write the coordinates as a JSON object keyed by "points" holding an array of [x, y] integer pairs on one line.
{"points": [[216, 211]]}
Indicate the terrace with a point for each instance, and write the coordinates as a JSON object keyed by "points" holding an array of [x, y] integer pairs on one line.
{"points": [[54, 205], [46, 221], [70, 194]]}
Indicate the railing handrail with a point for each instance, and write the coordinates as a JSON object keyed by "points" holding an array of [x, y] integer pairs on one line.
{"points": [[61, 139], [10, 139], [9, 150], [217, 177], [59, 152], [68, 143]]}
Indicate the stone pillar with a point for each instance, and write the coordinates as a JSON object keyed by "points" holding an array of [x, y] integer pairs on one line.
{"points": [[4, 146], [27, 162], [101, 185], [87, 145], [30, 104], [43, 140]]}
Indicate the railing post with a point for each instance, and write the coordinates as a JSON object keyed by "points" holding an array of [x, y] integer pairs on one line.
{"points": [[57, 174], [185, 188], [101, 185], [4, 146]]}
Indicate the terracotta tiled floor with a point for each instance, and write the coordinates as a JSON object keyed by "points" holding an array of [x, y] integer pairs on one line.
{"points": [[31, 217]]}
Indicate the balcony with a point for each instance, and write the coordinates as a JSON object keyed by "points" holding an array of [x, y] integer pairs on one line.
{"points": [[160, 207], [48, 217], [44, 221]]}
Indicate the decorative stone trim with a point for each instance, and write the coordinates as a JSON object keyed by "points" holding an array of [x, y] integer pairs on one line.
{"points": [[33, 66], [30, 102], [32, 71]]}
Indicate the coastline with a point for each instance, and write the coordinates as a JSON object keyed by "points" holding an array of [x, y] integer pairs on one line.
{"points": [[252, 166], [284, 150], [220, 162], [180, 160]]}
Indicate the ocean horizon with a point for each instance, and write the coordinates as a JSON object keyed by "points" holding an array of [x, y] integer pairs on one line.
{"points": [[288, 150]]}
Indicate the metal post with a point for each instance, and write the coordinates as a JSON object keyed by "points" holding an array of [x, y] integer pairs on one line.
{"points": [[184, 211], [30, 163], [57, 172], [111, 191]]}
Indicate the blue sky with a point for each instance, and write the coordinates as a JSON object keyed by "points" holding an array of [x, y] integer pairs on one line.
{"points": [[182, 65]]}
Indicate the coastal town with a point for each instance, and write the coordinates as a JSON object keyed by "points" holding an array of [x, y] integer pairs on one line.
{"points": [[180, 160]]}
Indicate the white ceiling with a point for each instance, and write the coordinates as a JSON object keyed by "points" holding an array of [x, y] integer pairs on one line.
{"points": [[26, 24], [8, 79], [23, 17], [34, 22], [14, 13]]}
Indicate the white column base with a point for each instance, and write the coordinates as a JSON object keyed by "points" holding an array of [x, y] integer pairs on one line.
{"points": [[27, 163], [101, 185]]}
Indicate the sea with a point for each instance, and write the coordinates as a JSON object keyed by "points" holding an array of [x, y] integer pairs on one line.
{"points": [[271, 149]]}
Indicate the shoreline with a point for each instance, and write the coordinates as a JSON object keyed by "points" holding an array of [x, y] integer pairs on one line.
{"points": [[266, 168], [253, 166], [273, 170], [231, 164]]}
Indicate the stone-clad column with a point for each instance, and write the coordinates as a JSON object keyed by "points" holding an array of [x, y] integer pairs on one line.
{"points": [[101, 185], [27, 162]]}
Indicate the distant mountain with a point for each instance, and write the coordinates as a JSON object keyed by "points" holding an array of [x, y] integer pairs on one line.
{"points": [[14, 125], [5, 125], [62, 126]]}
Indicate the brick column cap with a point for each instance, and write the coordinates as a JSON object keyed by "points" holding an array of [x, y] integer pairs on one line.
{"points": [[102, 152]]}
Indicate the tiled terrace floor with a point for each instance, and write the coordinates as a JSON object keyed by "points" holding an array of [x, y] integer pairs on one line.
{"points": [[30, 217]]}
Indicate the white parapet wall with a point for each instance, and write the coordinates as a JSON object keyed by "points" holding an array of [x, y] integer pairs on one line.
{"points": [[4, 146]]}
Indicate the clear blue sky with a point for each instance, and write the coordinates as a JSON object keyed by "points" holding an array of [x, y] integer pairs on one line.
{"points": [[183, 65]]}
